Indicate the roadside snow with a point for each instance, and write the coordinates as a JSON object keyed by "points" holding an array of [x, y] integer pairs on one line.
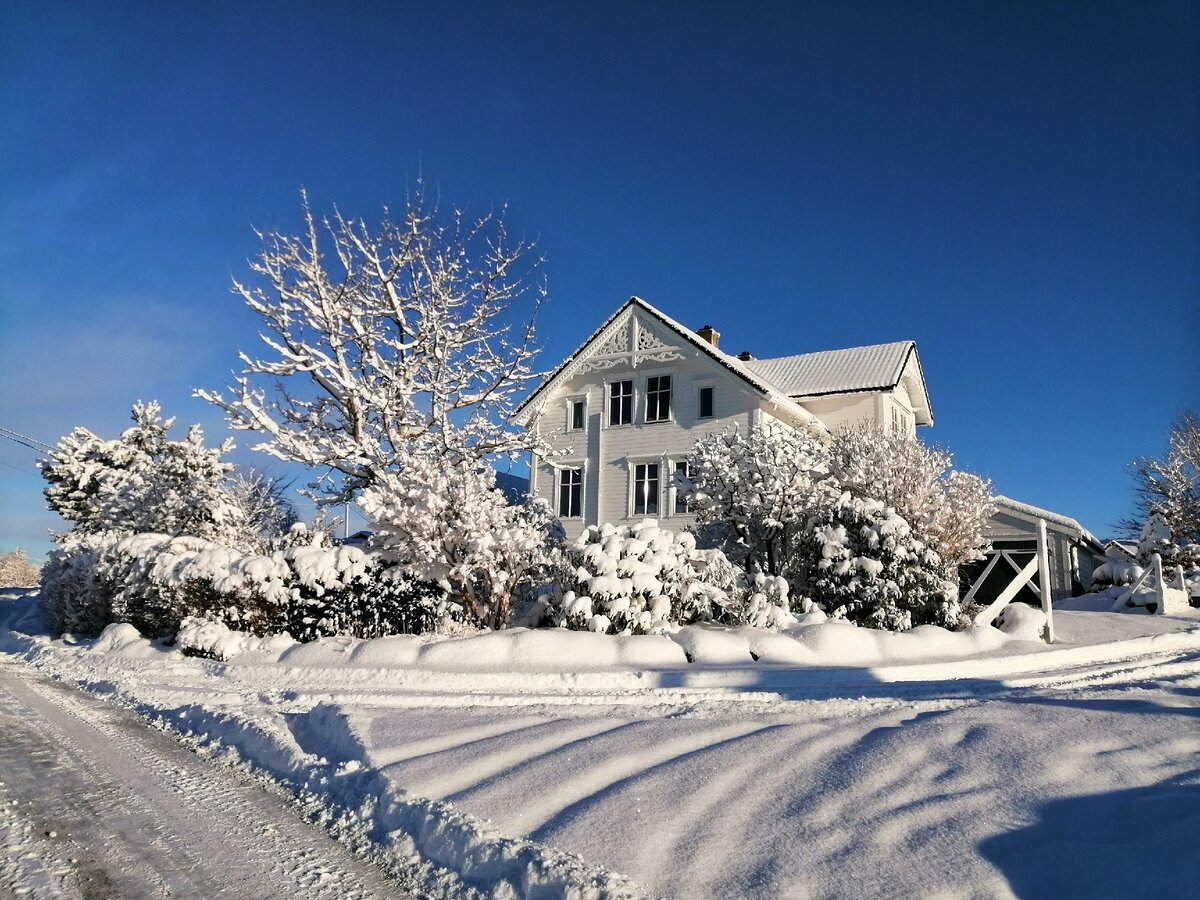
{"points": [[844, 762]]}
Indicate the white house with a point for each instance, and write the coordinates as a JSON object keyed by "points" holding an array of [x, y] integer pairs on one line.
{"points": [[623, 411]]}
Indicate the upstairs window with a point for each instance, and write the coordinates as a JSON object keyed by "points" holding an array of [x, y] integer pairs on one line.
{"points": [[578, 415], [570, 493], [620, 403], [705, 410], [645, 489], [658, 398]]}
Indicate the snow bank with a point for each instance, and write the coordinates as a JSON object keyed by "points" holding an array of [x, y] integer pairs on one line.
{"points": [[204, 638], [126, 641]]}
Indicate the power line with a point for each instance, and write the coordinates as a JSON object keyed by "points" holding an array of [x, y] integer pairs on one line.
{"points": [[26, 440]]}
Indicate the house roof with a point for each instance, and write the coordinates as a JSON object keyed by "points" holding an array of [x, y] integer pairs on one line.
{"points": [[1031, 513], [738, 367], [873, 368]]}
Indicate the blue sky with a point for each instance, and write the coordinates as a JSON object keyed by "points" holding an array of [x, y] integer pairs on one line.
{"points": [[1014, 186]]}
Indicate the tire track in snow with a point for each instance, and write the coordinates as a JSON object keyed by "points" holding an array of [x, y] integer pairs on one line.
{"points": [[157, 820]]}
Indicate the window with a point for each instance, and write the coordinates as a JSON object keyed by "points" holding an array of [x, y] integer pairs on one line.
{"points": [[570, 493], [645, 489], [682, 471], [578, 415], [620, 403], [658, 398], [705, 410]]}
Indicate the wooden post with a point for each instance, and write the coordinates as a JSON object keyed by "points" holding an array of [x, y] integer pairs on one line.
{"points": [[1160, 583], [1043, 559]]}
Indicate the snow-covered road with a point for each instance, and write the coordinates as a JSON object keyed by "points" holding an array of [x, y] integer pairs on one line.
{"points": [[93, 803]]}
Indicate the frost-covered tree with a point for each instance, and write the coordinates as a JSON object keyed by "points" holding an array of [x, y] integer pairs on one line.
{"points": [[752, 492], [864, 563], [17, 571], [263, 507], [386, 347], [1170, 486], [447, 523], [142, 481], [947, 509]]}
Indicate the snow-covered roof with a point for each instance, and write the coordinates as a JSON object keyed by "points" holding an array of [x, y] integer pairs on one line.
{"points": [[1033, 513], [873, 368], [738, 367]]}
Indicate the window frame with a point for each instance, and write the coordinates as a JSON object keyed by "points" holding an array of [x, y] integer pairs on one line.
{"points": [[670, 392], [609, 398], [675, 497], [572, 402], [634, 465], [560, 482], [712, 401]]}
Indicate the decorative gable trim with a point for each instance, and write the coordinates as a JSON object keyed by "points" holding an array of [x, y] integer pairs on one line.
{"points": [[628, 339]]}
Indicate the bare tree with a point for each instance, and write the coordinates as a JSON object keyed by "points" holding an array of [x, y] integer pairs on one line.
{"points": [[1170, 486], [387, 344]]}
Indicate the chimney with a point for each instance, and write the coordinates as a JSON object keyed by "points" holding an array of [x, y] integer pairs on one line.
{"points": [[745, 356], [710, 334]]}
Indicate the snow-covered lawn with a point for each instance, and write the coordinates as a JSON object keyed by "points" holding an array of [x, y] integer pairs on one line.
{"points": [[841, 763]]}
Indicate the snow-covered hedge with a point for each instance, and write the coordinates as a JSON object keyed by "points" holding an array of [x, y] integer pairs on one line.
{"points": [[639, 579], [863, 563], [1115, 571], [308, 589]]}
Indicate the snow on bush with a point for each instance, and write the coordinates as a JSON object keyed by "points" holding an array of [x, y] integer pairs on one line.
{"points": [[641, 579], [1115, 571], [863, 563], [307, 589], [752, 493], [947, 509], [447, 524], [17, 571]]}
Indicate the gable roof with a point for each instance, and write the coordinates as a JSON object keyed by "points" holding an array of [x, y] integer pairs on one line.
{"points": [[761, 385], [1031, 513]]}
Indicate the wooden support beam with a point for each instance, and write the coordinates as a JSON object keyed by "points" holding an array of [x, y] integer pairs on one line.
{"points": [[988, 616], [1043, 562], [981, 579]]}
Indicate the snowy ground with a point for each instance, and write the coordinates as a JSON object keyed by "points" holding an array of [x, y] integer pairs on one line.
{"points": [[497, 766]]}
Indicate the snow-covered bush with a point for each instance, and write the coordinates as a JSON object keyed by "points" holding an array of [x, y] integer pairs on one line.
{"points": [[947, 509], [17, 571], [142, 482], [447, 524], [752, 493], [637, 579], [309, 589], [75, 600], [863, 563], [346, 590], [1115, 571]]}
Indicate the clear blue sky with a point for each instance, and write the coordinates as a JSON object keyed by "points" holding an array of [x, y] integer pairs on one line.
{"points": [[1014, 186]]}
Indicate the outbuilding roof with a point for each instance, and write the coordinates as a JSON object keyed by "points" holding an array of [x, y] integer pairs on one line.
{"points": [[1031, 513]]}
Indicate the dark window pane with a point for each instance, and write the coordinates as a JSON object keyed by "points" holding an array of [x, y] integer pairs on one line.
{"points": [[570, 493], [706, 402], [658, 398], [577, 415], [620, 405], [645, 489]]}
